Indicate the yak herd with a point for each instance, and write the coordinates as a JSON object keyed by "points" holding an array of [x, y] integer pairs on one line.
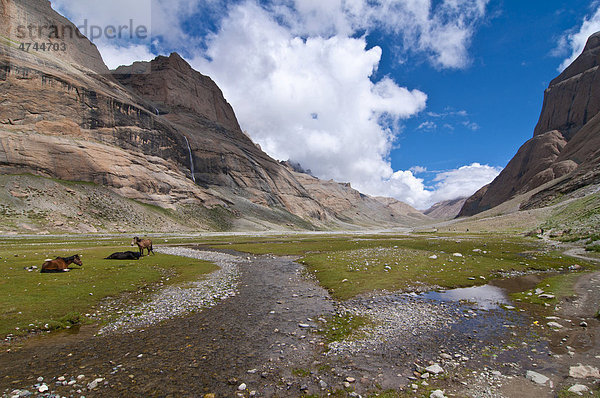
{"points": [[62, 264]]}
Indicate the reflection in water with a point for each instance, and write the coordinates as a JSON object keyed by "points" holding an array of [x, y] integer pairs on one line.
{"points": [[485, 297]]}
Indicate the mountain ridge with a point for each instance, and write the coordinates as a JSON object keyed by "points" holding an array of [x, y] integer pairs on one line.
{"points": [[565, 146], [142, 132]]}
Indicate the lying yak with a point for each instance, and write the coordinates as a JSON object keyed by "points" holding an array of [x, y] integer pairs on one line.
{"points": [[124, 256]]}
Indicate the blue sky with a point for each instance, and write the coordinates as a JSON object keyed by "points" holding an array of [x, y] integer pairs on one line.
{"points": [[420, 100]]}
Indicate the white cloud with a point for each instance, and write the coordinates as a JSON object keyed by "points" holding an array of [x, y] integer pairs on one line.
{"points": [[114, 56], [461, 182], [428, 125], [309, 100], [575, 41]]}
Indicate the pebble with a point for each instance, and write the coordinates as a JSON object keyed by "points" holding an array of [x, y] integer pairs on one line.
{"points": [[554, 325], [43, 388], [242, 387], [536, 377], [322, 384]]}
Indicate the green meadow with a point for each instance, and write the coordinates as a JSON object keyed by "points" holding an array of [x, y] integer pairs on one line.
{"points": [[351, 265], [35, 301]]}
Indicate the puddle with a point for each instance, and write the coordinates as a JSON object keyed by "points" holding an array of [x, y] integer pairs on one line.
{"points": [[491, 296], [486, 297]]}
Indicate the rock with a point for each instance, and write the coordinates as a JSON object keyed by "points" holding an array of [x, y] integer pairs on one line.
{"points": [[303, 325], [40, 379], [43, 388], [210, 395], [350, 379], [445, 356], [536, 377], [554, 325], [435, 369], [457, 254], [346, 384], [252, 371], [437, 394], [93, 384], [80, 377], [546, 296], [242, 387], [578, 389], [323, 384], [433, 257], [583, 324], [61, 378], [583, 371]]}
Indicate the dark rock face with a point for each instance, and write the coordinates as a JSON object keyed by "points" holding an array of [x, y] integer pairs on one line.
{"points": [[565, 146]]}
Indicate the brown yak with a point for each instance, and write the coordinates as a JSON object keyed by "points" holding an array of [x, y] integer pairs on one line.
{"points": [[143, 244], [60, 264]]}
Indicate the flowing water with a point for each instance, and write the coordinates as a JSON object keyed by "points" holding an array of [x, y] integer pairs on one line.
{"points": [[191, 158]]}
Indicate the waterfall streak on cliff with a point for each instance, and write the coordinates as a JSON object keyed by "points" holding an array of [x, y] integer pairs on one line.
{"points": [[191, 158]]}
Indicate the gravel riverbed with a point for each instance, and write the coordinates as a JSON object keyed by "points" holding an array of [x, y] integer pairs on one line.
{"points": [[176, 301]]}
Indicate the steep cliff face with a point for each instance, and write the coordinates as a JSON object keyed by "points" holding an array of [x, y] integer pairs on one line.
{"points": [[157, 131], [565, 146]]}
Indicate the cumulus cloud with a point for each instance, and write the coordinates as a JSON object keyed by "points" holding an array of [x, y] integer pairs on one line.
{"points": [[575, 41], [461, 182], [311, 100]]}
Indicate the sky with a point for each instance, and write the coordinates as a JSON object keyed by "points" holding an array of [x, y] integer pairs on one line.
{"points": [[420, 100]]}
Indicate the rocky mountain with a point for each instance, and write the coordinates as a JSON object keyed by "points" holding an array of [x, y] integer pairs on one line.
{"points": [[156, 132], [564, 153], [445, 210]]}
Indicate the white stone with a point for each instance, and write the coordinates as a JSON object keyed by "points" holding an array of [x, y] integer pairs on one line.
{"points": [[242, 387], [457, 254], [434, 257], [555, 325], [43, 388], [578, 389], [437, 394], [582, 371], [435, 369], [536, 377]]}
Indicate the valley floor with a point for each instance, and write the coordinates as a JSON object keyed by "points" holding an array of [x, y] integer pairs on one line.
{"points": [[277, 332]]}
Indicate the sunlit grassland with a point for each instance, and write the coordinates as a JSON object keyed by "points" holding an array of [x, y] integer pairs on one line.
{"points": [[351, 265], [31, 300]]}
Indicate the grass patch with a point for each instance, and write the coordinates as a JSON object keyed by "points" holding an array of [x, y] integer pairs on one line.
{"points": [[351, 265], [32, 301], [343, 327], [560, 286], [593, 248], [300, 372]]}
